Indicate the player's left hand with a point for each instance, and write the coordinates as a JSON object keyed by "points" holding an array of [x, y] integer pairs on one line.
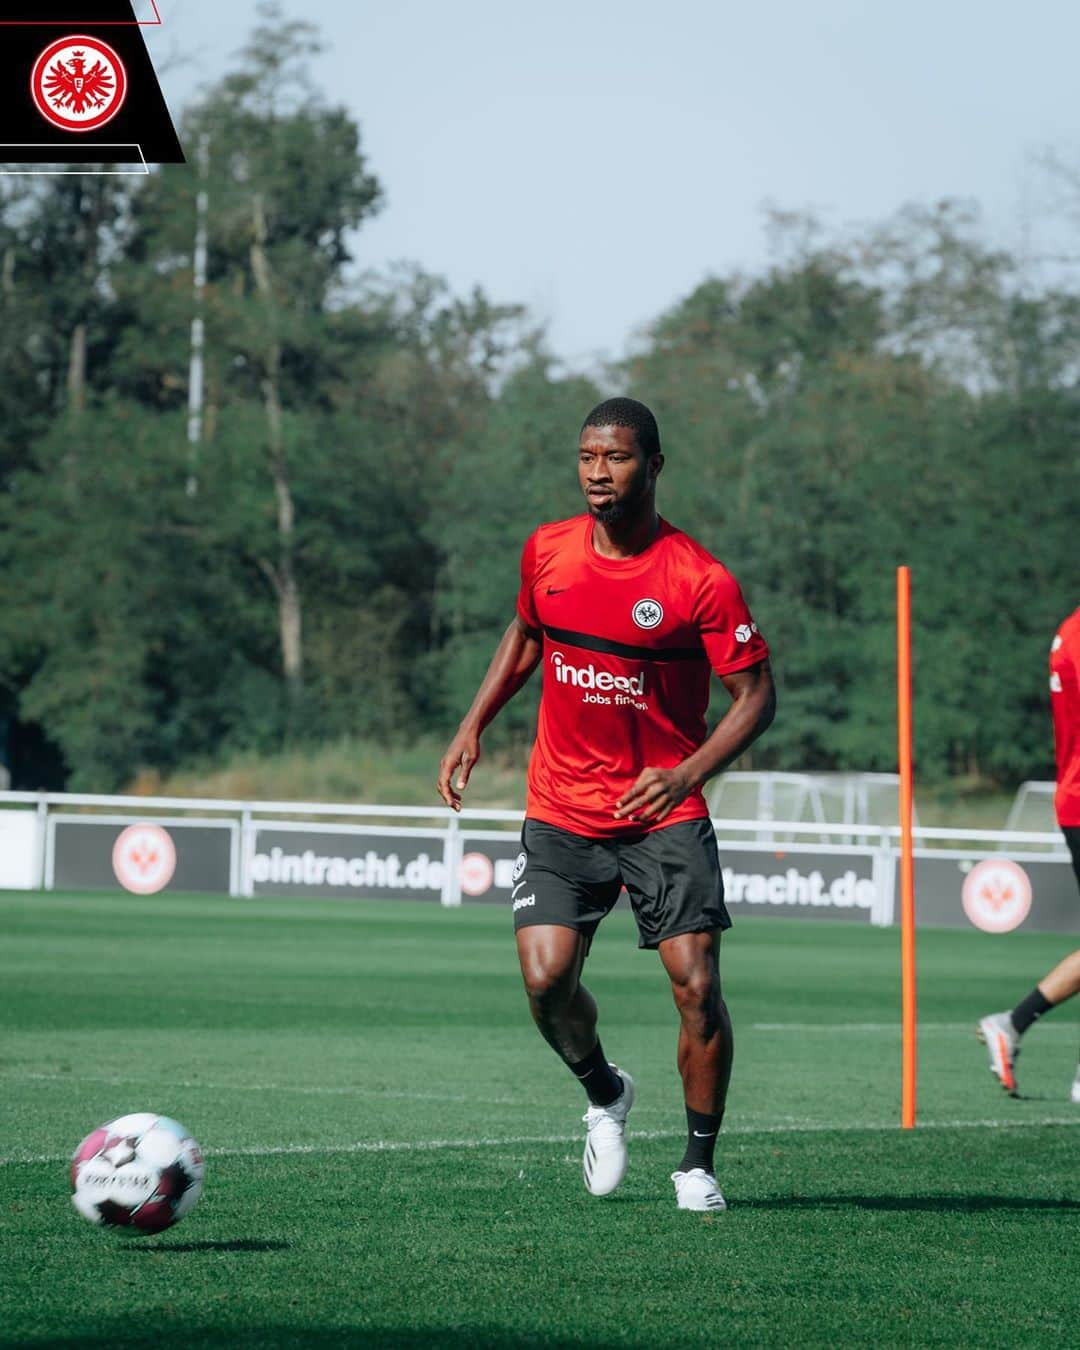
{"points": [[655, 795]]}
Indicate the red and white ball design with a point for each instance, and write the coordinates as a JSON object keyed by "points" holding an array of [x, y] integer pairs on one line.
{"points": [[143, 1172]]}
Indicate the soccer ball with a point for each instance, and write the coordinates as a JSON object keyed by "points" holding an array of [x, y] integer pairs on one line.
{"points": [[142, 1171]]}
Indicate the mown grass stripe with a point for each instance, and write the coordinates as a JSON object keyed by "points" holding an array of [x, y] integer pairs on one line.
{"points": [[523, 1140]]}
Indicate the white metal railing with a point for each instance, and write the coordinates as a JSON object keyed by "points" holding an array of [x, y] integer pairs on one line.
{"points": [[248, 817], [723, 824]]}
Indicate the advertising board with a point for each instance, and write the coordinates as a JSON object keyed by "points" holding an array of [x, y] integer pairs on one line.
{"points": [[995, 892], [142, 857], [801, 881], [487, 865], [339, 862]]}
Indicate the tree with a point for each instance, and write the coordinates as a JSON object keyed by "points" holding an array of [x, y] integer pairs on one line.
{"points": [[375, 450], [287, 183], [862, 406]]}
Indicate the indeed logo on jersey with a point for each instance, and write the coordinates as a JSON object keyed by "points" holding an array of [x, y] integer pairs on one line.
{"points": [[588, 677]]}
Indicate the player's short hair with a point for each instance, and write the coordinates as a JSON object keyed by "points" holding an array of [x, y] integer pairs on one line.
{"points": [[627, 412]]}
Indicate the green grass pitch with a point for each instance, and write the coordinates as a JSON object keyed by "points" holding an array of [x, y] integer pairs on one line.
{"points": [[394, 1155]]}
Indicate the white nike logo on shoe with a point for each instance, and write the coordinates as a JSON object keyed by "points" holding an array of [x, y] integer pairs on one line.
{"points": [[699, 1135]]}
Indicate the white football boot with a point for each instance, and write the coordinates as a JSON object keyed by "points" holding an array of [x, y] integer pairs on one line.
{"points": [[604, 1163], [1074, 1096], [697, 1189], [1001, 1039]]}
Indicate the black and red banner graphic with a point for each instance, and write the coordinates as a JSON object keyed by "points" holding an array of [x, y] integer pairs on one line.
{"points": [[77, 86]]}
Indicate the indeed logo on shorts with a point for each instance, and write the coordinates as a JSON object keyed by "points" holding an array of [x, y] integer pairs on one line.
{"points": [[588, 677]]}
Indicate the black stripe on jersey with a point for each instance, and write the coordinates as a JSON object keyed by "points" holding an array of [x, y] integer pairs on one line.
{"points": [[632, 653]]}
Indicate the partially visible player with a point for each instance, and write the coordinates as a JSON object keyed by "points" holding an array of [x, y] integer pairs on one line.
{"points": [[1002, 1031]]}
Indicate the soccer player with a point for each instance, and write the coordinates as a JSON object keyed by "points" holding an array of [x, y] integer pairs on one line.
{"points": [[628, 615], [1002, 1031]]}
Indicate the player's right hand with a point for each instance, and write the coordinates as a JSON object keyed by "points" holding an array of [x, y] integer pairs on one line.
{"points": [[461, 755]]}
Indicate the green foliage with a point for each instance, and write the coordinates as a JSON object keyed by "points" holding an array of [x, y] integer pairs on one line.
{"points": [[515, 469], [348, 770], [828, 439], [337, 554]]}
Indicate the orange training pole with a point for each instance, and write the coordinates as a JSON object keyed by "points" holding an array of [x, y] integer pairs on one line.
{"points": [[907, 862]]}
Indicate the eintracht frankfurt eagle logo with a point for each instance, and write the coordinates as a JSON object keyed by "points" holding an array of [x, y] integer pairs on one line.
{"points": [[78, 83], [144, 858], [996, 895], [647, 613]]}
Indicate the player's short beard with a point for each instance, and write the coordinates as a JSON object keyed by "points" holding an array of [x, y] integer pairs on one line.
{"points": [[610, 515], [619, 511]]}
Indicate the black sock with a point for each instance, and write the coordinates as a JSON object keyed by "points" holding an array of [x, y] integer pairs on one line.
{"points": [[1029, 1010], [700, 1141], [598, 1078]]}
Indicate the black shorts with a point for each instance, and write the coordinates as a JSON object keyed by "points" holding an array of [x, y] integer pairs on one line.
{"points": [[672, 876], [1072, 838]]}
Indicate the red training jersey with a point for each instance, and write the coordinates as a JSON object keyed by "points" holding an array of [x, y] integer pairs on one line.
{"points": [[628, 645], [1065, 706]]}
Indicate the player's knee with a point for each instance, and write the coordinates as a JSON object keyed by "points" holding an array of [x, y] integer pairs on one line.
{"points": [[546, 985], [696, 992]]}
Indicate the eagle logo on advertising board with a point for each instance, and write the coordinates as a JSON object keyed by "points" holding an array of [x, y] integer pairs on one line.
{"points": [[78, 83], [477, 873], [996, 895], [144, 858]]}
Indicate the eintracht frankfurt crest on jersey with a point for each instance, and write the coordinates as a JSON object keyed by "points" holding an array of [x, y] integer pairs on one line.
{"points": [[78, 83]]}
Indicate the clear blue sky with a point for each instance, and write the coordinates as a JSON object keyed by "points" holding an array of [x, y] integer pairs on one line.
{"points": [[596, 159]]}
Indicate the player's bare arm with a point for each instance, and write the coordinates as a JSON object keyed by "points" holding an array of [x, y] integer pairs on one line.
{"points": [[657, 792], [515, 659]]}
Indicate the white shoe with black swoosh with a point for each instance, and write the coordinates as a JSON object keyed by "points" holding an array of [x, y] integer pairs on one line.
{"points": [[605, 1158], [697, 1189]]}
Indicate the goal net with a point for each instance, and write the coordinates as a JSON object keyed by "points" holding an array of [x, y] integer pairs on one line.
{"points": [[1033, 808], [807, 798]]}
